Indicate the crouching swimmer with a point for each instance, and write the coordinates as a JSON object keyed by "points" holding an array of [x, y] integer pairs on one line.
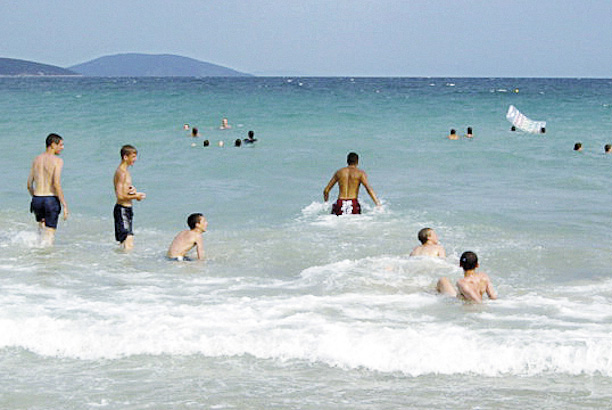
{"points": [[186, 240], [473, 284]]}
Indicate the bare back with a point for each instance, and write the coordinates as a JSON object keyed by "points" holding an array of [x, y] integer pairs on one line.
{"points": [[349, 180], [44, 179], [184, 242], [474, 286], [429, 250]]}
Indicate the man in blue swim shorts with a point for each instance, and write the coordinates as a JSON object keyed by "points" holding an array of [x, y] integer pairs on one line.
{"points": [[44, 184], [349, 180]]}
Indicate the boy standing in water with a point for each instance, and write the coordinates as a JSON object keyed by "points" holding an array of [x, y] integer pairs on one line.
{"points": [[44, 184], [187, 239], [125, 193], [473, 284], [429, 244]]}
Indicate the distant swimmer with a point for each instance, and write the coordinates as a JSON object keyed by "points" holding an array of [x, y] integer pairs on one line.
{"points": [[125, 193], [186, 240], [206, 143], [469, 133], [194, 132], [220, 144], [238, 142], [543, 130], [186, 127], [251, 138], [224, 124], [453, 135], [473, 284], [44, 184], [578, 146], [513, 128], [607, 148], [349, 179], [430, 245]]}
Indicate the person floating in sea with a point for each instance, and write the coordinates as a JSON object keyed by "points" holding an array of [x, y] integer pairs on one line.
{"points": [[578, 146], [453, 135], [224, 124], [469, 133], [251, 138], [238, 142], [349, 180], [186, 127], [125, 193], [607, 148], [194, 132], [473, 284], [186, 240], [206, 143], [45, 187], [430, 245]]}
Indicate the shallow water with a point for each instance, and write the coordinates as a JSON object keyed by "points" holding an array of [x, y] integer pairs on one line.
{"points": [[296, 308]]}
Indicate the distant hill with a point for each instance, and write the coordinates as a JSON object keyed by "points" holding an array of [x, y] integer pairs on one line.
{"points": [[13, 67], [149, 65]]}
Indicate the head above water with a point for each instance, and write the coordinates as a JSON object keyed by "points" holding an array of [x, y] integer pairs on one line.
{"points": [[128, 150], [469, 130], [193, 220], [352, 159], [578, 146], [468, 260], [452, 131], [608, 148], [424, 235], [251, 135], [238, 142], [53, 139], [194, 131]]}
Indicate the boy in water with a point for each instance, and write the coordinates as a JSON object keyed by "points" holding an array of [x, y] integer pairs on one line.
{"points": [[429, 244], [125, 193], [44, 184], [187, 239], [473, 284]]}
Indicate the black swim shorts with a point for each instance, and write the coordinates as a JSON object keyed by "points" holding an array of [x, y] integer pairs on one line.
{"points": [[123, 222], [46, 208]]}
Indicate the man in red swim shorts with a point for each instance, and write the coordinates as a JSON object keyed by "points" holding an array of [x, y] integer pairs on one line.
{"points": [[349, 180]]}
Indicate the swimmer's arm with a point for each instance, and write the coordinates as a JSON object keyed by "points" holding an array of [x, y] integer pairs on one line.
{"points": [[31, 181], [200, 248], [366, 184], [57, 185], [442, 252], [490, 291], [329, 186], [468, 291], [122, 190]]}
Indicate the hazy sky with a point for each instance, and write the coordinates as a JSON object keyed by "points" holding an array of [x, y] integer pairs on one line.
{"points": [[478, 38]]}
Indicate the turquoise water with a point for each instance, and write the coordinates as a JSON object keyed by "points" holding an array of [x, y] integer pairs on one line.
{"points": [[295, 308]]}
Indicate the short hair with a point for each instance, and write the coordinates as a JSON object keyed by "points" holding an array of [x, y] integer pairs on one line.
{"points": [[206, 143], [194, 131], [53, 139], [469, 130], [424, 235], [513, 128], [607, 147], [251, 134], [452, 131], [577, 146], [352, 158], [543, 130], [238, 142], [193, 220], [468, 260], [128, 150]]}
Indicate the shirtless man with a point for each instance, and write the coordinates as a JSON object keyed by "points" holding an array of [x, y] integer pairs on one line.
{"points": [[125, 193], [473, 284], [453, 135], [44, 184], [429, 244], [349, 179], [185, 240]]}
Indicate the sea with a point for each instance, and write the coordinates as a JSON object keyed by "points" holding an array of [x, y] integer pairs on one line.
{"points": [[295, 308]]}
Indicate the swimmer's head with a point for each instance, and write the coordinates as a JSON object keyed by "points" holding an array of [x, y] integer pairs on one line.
{"points": [[352, 158], [53, 139], [468, 260], [194, 131], [469, 130], [251, 135], [220, 143], [128, 150], [543, 130], [607, 148], [206, 143], [424, 235], [578, 146], [195, 219], [452, 131], [513, 128], [238, 142], [185, 127]]}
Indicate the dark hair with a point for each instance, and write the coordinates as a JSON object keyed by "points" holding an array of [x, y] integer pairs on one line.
{"points": [[238, 142], [352, 158], [452, 131], [468, 260], [513, 128], [206, 143], [194, 131], [424, 235], [577, 146], [193, 220], [251, 134], [469, 130], [607, 147], [128, 150], [53, 139], [543, 130]]}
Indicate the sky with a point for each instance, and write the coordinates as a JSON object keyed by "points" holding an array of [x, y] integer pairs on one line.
{"points": [[397, 38]]}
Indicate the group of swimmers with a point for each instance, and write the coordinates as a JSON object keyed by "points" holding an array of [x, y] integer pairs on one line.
{"points": [[44, 185], [453, 134], [224, 126], [607, 148]]}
